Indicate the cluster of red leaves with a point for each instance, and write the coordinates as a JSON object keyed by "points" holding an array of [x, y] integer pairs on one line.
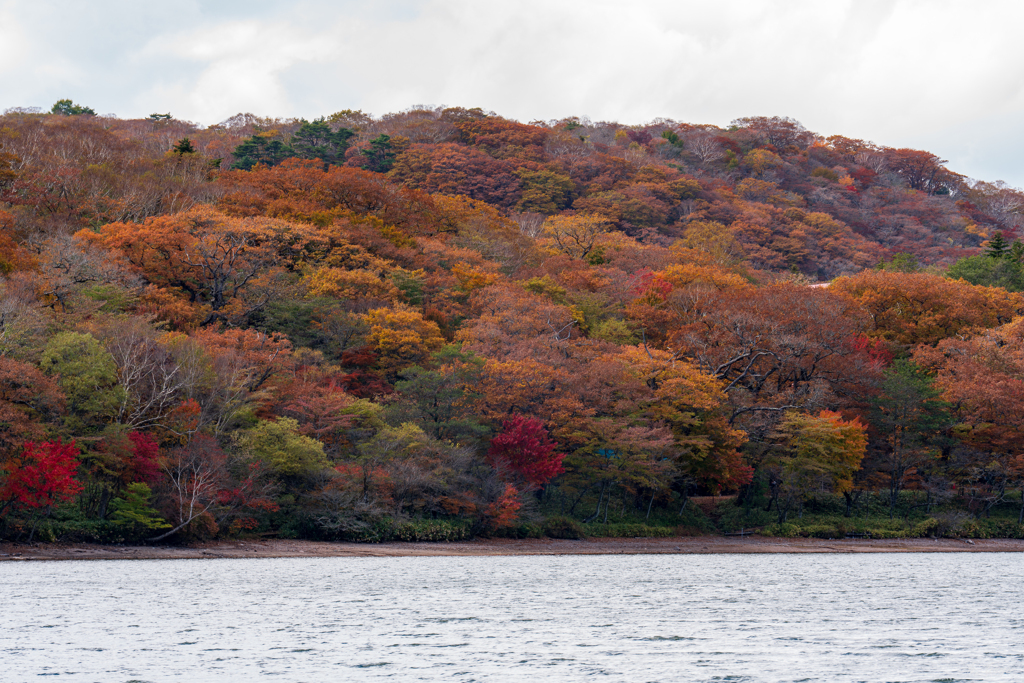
{"points": [[876, 350], [42, 475], [652, 286], [146, 458], [525, 449]]}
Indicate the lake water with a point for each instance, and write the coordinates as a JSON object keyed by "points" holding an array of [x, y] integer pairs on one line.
{"points": [[922, 617]]}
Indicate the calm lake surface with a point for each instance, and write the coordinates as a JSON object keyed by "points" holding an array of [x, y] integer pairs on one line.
{"points": [[922, 617]]}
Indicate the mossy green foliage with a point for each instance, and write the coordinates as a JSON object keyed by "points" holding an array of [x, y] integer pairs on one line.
{"points": [[86, 372], [282, 449]]}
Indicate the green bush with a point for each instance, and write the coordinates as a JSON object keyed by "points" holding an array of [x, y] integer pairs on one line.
{"points": [[1000, 528], [90, 531], [927, 528], [388, 529], [821, 531], [563, 527], [523, 530], [732, 518], [784, 530], [432, 530]]}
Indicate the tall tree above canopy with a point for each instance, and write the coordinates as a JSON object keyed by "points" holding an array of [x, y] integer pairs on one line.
{"points": [[316, 140], [68, 108], [380, 155], [778, 131], [921, 170]]}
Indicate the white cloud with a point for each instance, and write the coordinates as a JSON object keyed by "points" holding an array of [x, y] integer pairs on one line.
{"points": [[242, 65], [14, 45]]}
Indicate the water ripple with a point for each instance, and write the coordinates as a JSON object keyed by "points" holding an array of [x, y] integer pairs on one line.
{"points": [[751, 618]]}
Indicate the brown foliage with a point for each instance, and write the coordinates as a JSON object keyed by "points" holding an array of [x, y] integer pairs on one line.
{"points": [[916, 308]]}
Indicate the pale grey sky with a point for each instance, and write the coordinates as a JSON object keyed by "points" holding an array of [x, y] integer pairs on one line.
{"points": [[941, 75]]}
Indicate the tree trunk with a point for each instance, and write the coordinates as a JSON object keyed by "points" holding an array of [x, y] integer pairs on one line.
{"points": [[168, 533], [579, 498], [38, 521], [851, 500], [600, 499]]}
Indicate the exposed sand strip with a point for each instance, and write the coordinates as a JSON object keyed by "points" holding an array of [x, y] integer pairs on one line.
{"points": [[598, 546]]}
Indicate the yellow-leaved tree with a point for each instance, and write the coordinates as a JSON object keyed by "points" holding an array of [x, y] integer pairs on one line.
{"points": [[813, 453]]}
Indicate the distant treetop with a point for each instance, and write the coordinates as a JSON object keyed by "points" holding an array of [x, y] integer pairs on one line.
{"points": [[69, 108]]}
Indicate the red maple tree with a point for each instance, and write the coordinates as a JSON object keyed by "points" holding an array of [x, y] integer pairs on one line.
{"points": [[44, 474], [525, 449]]}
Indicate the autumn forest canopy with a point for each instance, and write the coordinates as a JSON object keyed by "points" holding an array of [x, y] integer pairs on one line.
{"points": [[441, 323]]}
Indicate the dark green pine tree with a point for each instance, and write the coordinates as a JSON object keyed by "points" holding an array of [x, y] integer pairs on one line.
{"points": [[1016, 251], [997, 246], [379, 156], [909, 416], [184, 146], [260, 149], [316, 140], [441, 400]]}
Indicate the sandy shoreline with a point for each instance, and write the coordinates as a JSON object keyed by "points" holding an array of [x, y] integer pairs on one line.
{"points": [[493, 547]]}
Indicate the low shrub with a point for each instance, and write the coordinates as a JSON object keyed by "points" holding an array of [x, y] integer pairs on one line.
{"points": [[524, 530], [563, 527], [387, 529], [784, 530], [76, 531], [432, 530]]}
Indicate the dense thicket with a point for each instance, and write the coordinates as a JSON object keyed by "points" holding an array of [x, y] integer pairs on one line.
{"points": [[442, 322]]}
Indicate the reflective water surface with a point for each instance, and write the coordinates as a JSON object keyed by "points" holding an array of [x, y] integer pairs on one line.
{"points": [[922, 617]]}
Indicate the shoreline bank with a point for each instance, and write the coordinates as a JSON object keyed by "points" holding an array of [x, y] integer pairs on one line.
{"points": [[701, 545]]}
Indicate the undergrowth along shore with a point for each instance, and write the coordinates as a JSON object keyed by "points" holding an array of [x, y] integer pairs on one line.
{"points": [[821, 517]]}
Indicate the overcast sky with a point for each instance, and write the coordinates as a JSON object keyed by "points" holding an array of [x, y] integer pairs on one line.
{"points": [[941, 75]]}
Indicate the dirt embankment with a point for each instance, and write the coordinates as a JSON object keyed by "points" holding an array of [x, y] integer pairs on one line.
{"points": [[597, 546]]}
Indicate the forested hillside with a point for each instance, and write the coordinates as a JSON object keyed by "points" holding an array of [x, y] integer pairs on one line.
{"points": [[441, 323]]}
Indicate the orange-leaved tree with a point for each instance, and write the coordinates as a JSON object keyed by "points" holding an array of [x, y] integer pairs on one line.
{"points": [[226, 265]]}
